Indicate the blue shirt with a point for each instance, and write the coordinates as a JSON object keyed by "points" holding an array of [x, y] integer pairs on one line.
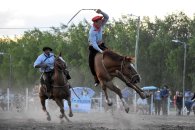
{"points": [[95, 35], [157, 95], [164, 93], [44, 59]]}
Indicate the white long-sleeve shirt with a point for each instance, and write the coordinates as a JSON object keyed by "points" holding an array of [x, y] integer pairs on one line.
{"points": [[44, 59], [95, 35]]}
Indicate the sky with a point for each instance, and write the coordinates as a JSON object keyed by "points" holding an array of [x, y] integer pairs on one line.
{"points": [[29, 14]]}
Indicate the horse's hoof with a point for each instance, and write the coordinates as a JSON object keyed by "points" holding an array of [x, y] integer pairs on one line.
{"points": [[70, 115], [142, 95], [49, 118], [110, 104], [147, 95], [127, 110], [61, 116]]}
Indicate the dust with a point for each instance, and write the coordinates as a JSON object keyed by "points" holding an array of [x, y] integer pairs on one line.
{"points": [[20, 117], [110, 120]]}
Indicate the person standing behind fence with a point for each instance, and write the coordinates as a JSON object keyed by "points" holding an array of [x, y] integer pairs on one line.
{"points": [[188, 102], [179, 102], [164, 95], [157, 102], [174, 99]]}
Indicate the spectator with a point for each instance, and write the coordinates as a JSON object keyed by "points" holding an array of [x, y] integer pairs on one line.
{"points": [[174, 99], [157, 102], [164, 95], [179, 102], [188, 102]]}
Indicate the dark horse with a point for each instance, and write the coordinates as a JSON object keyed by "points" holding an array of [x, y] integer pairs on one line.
{"points": [[110, 65], [60, 90]]}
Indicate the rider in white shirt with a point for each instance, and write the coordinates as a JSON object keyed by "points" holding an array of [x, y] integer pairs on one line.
{"points": [[96, 43], [45, 63]]}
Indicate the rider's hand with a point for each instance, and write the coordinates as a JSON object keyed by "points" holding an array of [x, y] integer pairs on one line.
{"points": [[98, 11], [101, 51], [44, 66]]}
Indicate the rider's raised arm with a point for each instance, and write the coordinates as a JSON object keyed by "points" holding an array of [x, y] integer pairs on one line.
{"points": [[106, 17]]}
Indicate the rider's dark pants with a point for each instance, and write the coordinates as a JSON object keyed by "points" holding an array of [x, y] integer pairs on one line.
{"points": [[92, 53]]}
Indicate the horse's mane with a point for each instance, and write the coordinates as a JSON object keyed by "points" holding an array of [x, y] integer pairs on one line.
{"points": [[112, 55]]}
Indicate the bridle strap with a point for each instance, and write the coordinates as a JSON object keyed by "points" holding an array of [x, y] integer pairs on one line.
{"points": [[56, 86], [58, 68], [122, 64]]}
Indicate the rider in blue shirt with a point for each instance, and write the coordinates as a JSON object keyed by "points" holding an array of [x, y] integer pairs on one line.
{"points": [[95, 40], [45, 63]]}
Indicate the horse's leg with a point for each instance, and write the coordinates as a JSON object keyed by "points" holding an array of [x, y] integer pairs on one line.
{"points": [[60, 103], [42, 98], [109, 102], [70, 109], [112, 87], [142, 94]]}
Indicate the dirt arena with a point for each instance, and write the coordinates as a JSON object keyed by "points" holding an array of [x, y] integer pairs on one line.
{"points": [[94, 121]]}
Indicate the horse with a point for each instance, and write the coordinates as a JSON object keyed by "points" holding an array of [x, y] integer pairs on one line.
{"points": [[60, 89], [109, 65]]}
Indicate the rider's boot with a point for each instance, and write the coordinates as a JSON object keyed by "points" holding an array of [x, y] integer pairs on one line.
{"points": [[97, 82], [193, 97]]}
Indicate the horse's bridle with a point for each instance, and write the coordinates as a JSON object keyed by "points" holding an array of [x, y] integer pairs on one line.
{"points": [[121, 70], [57, 67]]}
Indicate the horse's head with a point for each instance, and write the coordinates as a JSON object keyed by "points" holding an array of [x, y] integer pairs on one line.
{"points": [[124, 66], [59, 63], [128, 70]]}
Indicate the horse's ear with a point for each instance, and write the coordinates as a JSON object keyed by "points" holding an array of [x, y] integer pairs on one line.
{"points": [[60, 54], [130, 59]]}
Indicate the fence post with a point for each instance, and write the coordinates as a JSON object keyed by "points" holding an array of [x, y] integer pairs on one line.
{"points": [[100, 101], [168, 105], [8, 95], [152, 104], [26, 99], [135, 101]]}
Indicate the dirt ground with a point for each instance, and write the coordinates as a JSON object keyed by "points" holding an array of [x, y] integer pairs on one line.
{"points": [[94, 121]]}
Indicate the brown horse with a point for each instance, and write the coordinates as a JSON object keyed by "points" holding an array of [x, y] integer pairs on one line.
{"points": [[110, 65], [60, 90]]}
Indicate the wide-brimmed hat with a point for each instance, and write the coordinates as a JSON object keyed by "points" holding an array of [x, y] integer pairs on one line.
{"points": [[47, 48], [96, 18]]}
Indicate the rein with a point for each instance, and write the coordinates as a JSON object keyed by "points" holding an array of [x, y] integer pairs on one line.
{"points": [[122, 64], [56, 86], [121, 70]]}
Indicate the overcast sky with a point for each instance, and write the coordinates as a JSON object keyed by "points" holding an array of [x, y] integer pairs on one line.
{"points": [[47, 13]]}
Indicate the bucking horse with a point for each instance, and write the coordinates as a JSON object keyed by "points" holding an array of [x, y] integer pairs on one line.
{"points": [[109, 65]]}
